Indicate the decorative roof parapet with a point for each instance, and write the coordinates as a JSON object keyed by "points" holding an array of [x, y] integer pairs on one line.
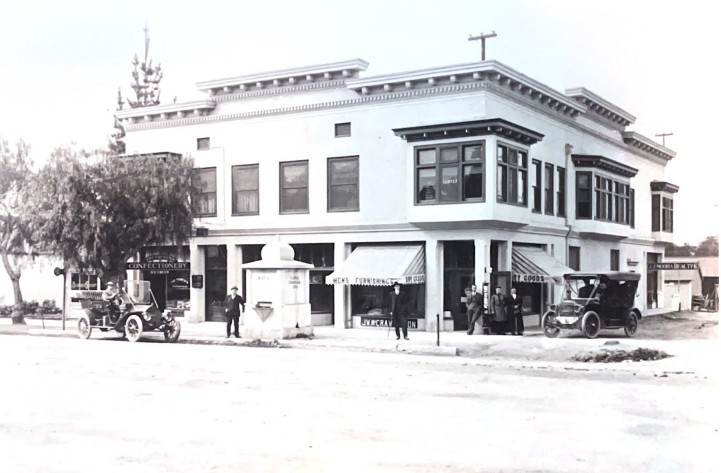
{"points": [[495, 126], [197, 108], [604, 163], [601, 107], [639, 141], [490, 71], [284, 77], [661, 186]]}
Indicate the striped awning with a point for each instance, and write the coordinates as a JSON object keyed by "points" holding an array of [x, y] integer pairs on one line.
{"points": [[382, 266], [530, 264]]}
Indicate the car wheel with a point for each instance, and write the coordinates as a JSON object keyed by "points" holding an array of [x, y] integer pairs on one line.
{"points": [[631, 324], [548, 323], [172, 331], [84, 328], [133, 328], [590, 324]]}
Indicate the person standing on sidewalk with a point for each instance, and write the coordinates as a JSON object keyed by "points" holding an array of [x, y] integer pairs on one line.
{"points": [[474, 308], [515, 313], [498, 305], [232, 311], [397, 308]]}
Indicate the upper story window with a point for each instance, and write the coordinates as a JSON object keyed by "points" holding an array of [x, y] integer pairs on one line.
{"points": [[342, 130], [512, 186], [632, 208], [612, 200], [537, 186], [561, 192], [450, 173], [615, 260], [203, 143], [548, 180], [294, 187], [245, 190], [584, 198], [574, 258], [204, 196], [343, 184], [662, 206]]}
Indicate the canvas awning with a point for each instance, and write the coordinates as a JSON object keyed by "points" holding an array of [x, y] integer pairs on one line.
{"points": [[382, 266], [535, 265]]}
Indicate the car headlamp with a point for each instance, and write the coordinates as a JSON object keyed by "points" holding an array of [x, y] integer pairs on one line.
{"points": [[146, 316], [578, 309]]}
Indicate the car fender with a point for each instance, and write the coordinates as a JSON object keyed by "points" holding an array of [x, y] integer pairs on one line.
{"points": [[637, 312]]}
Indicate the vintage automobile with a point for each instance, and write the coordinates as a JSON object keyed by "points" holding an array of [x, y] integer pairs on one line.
{"points": [[594, 301], [135, 312]]}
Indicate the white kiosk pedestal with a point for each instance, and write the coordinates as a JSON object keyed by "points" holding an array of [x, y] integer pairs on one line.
{"points": [[277, 292]]}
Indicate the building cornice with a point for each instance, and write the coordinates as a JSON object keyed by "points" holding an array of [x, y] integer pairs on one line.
{"points": [[601, 107], [495, 126], [180, 110], [586, 161], [647, 145], [282, 90], [661, 186], [282, 77], [487, 71]]}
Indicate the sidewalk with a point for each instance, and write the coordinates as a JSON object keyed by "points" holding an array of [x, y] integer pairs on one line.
{"points": [[533, 350]]}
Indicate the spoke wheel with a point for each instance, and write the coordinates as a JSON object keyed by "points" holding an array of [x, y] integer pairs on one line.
{"points": [[631, 324], [590, 325], [84, 328], [133, 328], [172, 331], [549, 325]]}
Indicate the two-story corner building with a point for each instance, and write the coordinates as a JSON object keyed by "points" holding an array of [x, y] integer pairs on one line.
{"points": [[436, 178]]}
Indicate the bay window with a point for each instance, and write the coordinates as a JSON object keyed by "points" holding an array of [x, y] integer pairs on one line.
{"points": [[512, 174], [450, 173]]}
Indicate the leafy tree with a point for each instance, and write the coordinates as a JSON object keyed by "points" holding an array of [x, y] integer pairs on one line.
{"points": [[683, 250], [97, 210], [15, 234], [708, 247], [146, 87]]}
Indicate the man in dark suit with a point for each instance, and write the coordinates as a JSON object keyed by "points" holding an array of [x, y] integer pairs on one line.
{"points": [[474, 308], [515, 313], [232, 310], [397, 308]]}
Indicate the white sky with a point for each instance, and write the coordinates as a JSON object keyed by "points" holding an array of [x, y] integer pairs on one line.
{"points": [[62, 61]]}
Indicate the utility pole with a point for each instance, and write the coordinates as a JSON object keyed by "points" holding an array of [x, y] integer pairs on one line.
{"points": [[663, 137], [482, 37]]}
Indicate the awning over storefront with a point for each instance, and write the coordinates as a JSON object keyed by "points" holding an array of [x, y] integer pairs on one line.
{"points": [[535, 265], [381, 266]]}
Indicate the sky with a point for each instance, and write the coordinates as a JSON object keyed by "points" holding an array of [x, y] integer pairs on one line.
{"points": [[61, 62]]}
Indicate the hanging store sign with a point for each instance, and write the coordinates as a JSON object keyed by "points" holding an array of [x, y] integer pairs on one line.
{"points": [[533, 278], [196, 281], [672, 266], [358, 281], [159, 266]]}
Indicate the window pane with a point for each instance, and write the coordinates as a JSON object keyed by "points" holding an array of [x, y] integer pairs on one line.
{"points": [[426, 185], [502, 154], [472, 182], [294, 200], [449, 184], [344, 171], [245, 202], [473, 153], [522, 187], [512, 156], [426, 156], [522, 159], [295, 175], [449, 155], [245, 178], [205, 179], [512, 185], [344, 197], [501, 190]]}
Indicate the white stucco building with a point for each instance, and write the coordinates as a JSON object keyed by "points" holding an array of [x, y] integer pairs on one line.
{"points": [[438, 177]]}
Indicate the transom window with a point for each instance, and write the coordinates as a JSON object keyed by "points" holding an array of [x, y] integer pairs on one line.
{"points": [[450, 173], [512, 185], [204, 195], [245, 190], [294, 187]]}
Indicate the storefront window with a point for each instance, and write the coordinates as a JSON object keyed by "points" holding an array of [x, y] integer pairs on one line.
{"points": [[530, 295], [321, 257], [374, 300]]}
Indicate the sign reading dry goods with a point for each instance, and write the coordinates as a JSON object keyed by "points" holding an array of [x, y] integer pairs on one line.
{"points": [[672, 266]]}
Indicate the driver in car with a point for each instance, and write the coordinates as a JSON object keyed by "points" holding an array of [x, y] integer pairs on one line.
{"points": [[110, 295]]}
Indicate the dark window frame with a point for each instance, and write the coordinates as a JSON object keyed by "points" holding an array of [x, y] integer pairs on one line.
{"points": [[511, 170], [459, 164], [574, 253], [615, 260], [610, 199], [548, 189], [561, 192], [330, 185], [537, 186], [632, 207], [589, 190], [203, 143], [655, 212], [197, 194], [235, 211], [666, 214], [281, 187], [339, 130]]}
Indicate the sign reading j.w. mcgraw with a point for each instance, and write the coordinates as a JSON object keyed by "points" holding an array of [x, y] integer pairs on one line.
{"points": [[672, 266], [384, 322]]}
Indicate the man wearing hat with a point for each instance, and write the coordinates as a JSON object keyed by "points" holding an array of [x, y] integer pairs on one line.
{"points": [[232, 311], [110, 295], [397, 308]]}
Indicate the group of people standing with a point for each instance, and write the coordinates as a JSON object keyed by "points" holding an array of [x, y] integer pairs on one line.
{"points": [[502, 316]]}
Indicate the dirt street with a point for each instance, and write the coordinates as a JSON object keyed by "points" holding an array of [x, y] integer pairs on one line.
{"points": [[69, 405]]}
